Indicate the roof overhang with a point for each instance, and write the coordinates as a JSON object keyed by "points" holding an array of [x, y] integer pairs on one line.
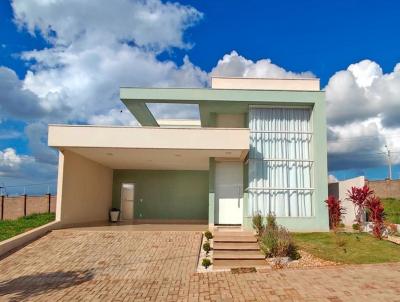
{"points": [[211, 101], [151, 148]]}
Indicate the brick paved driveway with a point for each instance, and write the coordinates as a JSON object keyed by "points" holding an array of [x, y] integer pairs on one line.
{"points": [[70, 265]]}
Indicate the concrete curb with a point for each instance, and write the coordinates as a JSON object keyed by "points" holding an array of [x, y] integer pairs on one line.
{"points": [[9, 245]]}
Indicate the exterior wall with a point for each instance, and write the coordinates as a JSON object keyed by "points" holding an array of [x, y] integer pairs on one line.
{"points": [[339, 190], [211, 194], [84, 190], [385, 188], [320, 222], [265, 84], [165, 195], [14, 206], [230, 120]]}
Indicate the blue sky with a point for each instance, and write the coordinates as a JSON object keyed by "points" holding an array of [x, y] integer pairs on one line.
{"points": [[63, 63]]}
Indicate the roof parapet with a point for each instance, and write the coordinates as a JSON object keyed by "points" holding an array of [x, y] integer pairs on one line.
{"points": [[300, 84]]}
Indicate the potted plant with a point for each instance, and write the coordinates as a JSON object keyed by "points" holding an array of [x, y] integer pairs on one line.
{"points": [[114, 214]]}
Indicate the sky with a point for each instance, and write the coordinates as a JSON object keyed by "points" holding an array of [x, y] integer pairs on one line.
{"points": [[63, 61]]}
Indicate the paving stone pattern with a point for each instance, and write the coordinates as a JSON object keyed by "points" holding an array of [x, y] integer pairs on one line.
{"points": [[76, 265]]}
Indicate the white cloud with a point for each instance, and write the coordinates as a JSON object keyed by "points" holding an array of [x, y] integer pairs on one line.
{"points": [[9, 158], [332, 178], [22, 169], [77, 24], [363, 109], [235, 65], [16, 101], [363, 91]]}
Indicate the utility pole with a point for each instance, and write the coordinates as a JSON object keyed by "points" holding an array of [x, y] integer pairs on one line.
{"points": [[389, 162]]}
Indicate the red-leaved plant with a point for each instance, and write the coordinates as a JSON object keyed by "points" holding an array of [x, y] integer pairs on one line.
{"points": [[376, 212], [359, 197], [336, 210]]}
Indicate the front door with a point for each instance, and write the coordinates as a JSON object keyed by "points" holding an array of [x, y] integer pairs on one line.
{"points": [[127, 201], [229, 192]]}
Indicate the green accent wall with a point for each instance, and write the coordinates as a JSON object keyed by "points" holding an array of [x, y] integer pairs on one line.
{"points": [[165, 194], [211, 192]]}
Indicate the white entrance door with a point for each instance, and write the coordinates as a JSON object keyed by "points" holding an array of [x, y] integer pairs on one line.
{"points": [[229, 192], [127, 201]]}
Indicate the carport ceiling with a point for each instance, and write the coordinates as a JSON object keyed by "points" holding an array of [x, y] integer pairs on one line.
{"points": [[156, 159]]}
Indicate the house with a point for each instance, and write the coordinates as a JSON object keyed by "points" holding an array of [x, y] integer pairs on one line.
{"points": [[339, 189], [259, 147]]}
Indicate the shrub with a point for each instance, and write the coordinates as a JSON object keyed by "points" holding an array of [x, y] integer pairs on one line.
{"points": [[376, 212], [335, 211], [278, 242], [356, 226], [206, 247], [391, 228], [258, 224], [271, 222], [359, 197], [269, 242], [206, 262], [208, 235]]}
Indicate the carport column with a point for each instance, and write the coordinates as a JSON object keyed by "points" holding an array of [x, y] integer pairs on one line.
{"points": [[211, 193]]}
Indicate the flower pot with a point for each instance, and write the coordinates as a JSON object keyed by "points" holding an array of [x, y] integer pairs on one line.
{"points": [[114, 215]]}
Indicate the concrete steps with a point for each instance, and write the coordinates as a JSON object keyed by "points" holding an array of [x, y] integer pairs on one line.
{"points": [[239, 255], [233, 249], [229, 263], [239, 246], [235, 238]]}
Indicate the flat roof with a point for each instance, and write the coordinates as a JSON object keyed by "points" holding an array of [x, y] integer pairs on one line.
{"points": [[226, 101]]}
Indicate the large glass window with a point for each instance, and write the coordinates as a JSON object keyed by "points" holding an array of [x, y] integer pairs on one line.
{"points": [[280, 162]]}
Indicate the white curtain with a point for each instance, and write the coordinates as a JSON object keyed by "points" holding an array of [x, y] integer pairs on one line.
{"points": [[280, 162]]}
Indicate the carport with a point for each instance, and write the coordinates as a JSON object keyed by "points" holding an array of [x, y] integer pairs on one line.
{"points": [[155, 175]]}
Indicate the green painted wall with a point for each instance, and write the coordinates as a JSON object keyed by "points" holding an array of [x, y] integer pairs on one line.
{"points": [[165, 194], [211, 191]]}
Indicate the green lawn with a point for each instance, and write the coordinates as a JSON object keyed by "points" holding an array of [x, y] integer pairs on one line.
{"points": [[10, 228], [348, 247], [392, 209]]}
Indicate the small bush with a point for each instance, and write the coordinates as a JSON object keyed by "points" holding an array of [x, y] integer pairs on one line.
{"points": [[336, 211], [258, 224], [391, 229], [206, 247], [356, 226], [278, 242], [269, 242], [208, 235], [206, 262], [377, 214], [271, 222]]}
